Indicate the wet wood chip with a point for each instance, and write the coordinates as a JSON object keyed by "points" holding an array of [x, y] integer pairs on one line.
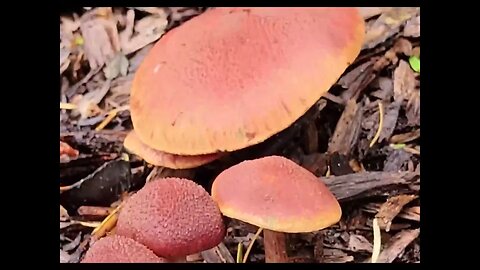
{"points": [[218, 254], [391, 208], [336, 256], [347, 129], [396, 160], [397, 244], [359, 243], [364, 184]]}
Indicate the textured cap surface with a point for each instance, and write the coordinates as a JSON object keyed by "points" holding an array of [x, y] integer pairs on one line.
{"points": [[164, 159], [119, 249], [276, 194], [174, 217], [233, 77]]}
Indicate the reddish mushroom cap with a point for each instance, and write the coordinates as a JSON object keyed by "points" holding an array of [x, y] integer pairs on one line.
{"points": [[172, 216], [233, 77], [119, 249], [159, 158], [276, 194]]}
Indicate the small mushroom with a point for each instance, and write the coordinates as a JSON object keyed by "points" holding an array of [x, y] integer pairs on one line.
{"points": [[120, 249], [159, 158], [200, 91], [278, 195], [174, 217]]}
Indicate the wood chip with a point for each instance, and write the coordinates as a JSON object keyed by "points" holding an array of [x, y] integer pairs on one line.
{"points": [[218, 254], [347, 129], [365, 184], [405, 137], [368, 12], [396, 245], [387, 25], [410, 213], [391, 208], [358, 243], [404, 81], [336, 256], [396, 161]]}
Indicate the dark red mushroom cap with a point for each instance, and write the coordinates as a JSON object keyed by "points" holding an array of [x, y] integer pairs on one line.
{"points": [[120, 249], [233, 77], [174, 217]]}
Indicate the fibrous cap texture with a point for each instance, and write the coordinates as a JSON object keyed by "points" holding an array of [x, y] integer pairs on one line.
{"points": [[233, 77], [276, 194]]}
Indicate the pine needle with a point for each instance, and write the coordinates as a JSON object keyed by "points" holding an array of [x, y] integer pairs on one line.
{"points": [[251, 244], [380, 125]]}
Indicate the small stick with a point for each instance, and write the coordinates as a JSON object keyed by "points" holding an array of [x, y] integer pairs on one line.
{"points": [[377, 240], [251, 244], [380, 125]]}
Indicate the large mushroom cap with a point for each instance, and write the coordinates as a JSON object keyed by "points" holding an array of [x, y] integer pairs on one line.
{"points": [[276, 194], [233, 77], [119, 249], [159, 158], [174, 217]]}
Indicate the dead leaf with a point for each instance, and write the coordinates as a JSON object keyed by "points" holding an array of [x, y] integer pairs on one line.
{"points": [[385, 88], [87, 105], [397, 244], [63, 214], [64, 257], [147, 30], [137, 59], [403, 81], [405, 88], [390, 118], [387, 25], [73, 244], [359, 243], [152, 10], [405, 137], [368, 12], [396, 161], [391, 208], [100, 34], [118, 65], [402, 45], [412, 27]]}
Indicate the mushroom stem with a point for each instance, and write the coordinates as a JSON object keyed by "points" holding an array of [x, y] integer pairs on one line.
{"points": [[275, 247]]}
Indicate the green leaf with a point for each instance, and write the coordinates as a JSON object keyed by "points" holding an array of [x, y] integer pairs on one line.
{"points": [[414, 63]]}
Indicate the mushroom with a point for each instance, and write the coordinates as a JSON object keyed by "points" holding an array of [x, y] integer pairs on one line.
{"points": [[159, 158], [174, 217], [200, 91], [275, 194], [120, 249]]}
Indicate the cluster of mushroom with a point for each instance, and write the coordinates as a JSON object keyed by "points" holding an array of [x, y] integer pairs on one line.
{"points": [[165, 221], [225, 80], [171, 218], [233, 77]]}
